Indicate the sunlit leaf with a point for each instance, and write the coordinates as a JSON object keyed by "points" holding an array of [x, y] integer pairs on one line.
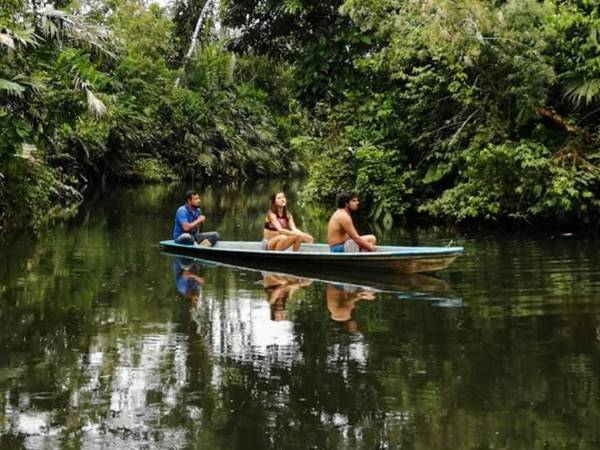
{"points": [[582, 90], [11, 87], [436, 173], [95, 105], [6, 40]]}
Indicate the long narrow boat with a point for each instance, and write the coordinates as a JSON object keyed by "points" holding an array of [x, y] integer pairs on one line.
{"points": [[390, 259]]}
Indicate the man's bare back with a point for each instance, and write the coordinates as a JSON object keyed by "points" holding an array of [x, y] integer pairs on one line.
{"points": [[336, 229]]}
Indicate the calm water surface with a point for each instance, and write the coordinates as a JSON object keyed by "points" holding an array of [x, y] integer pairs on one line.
{"points": [[107, 343]]}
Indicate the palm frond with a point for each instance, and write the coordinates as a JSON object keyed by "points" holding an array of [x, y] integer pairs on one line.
{"points": [[57, 24], [580, 90], [11, 87], [7, 40], [95, 105], [24, 36], [35, 81]]}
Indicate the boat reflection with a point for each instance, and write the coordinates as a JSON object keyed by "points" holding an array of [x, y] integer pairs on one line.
{"points": [[407, 284], [343, 291], [257, 317]]}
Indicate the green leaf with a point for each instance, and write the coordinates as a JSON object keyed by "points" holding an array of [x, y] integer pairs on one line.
{"points": [[388, 220], [292, 7], [436, 173], [579, 90], [377, 212], [11, 87], [23, 129]]}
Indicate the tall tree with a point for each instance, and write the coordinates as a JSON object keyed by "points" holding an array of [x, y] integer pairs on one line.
{"points": [[187, 14], [310, 34]]}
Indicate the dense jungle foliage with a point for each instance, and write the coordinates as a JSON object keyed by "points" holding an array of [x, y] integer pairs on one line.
{"points": [[456, 110], [459, 110], [100, 90]]}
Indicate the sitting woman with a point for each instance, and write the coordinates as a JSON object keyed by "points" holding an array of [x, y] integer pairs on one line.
{"points": [[280, 231]]}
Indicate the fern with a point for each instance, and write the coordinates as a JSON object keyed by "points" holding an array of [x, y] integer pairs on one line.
{"points": [[11, 87], [582, 90], [56, 24]]}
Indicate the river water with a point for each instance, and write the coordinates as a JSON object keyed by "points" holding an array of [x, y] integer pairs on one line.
{"points": [[107, 343]]}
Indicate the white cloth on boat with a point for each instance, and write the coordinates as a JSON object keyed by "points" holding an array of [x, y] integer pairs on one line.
{"points": [[351, 246]]}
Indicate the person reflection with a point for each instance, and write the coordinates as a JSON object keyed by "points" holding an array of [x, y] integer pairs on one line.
{"points": [[279, 289], [341, 300], [188, 284]]}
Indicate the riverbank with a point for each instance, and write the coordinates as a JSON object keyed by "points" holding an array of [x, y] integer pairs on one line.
{"points": [[39, 199]]}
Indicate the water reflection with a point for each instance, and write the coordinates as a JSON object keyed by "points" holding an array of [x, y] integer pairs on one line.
{"points": [[214, 349], [341, 296], [188, 283], [279, 289], [342, 299], [246, 327], [406, 284]]}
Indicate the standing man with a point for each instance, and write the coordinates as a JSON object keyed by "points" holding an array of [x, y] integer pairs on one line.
{"points": [[341, 234], [188, 222]]}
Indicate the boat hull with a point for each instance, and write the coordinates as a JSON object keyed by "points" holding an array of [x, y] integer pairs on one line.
{"points": [[386, 259], [407, 285]]}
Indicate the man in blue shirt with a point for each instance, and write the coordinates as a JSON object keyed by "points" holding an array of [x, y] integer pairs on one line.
{"points": [[188, 222]]}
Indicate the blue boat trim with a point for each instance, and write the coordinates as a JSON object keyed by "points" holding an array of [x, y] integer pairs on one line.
{"points": [[394, 251]]}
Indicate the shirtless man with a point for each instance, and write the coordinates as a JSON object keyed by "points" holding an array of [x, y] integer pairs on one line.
{"points": [[341, 234]]}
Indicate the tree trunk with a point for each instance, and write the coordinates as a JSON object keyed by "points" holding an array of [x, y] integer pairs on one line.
{"points": [[194, 37]]}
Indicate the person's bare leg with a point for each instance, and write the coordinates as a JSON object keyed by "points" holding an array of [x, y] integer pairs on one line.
{"points": [[370, 238], [307, 239], [285, 243], [274, 242], [297, 243]]}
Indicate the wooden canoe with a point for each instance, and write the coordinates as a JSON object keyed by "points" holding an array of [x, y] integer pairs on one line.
{"points": [[389, 259]]}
